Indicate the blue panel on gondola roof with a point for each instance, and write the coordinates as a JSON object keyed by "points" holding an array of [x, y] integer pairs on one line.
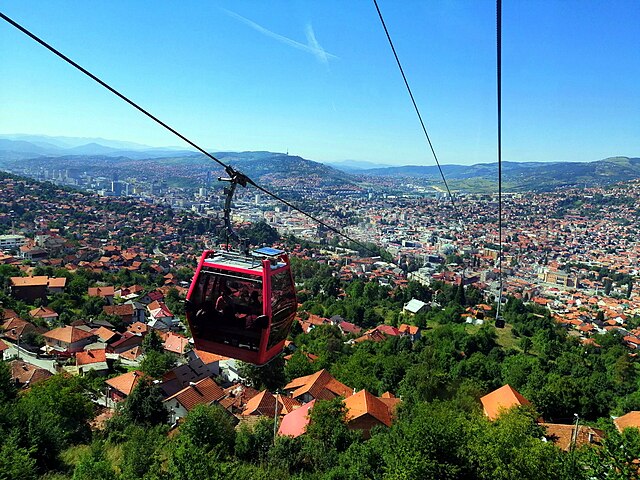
{"points": [[269, 252]]}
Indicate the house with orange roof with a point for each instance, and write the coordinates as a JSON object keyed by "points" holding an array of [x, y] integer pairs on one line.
{"points": [[294, 423], [365, 411], [411, 330], [176, 343], [103, 292], [320, 385], [237, 397], [57, 284], [373, 335], [124, 312], [210, 360], [67, 339], [502, 399], [628, 420], [15, 328], [96, 360], [264, 404], [106, 335], [206, 392], [45, 313], [29, 288], [126, 342], [24, 374], [138, 328], [3, 348], [391, 401], [120, 387], [564, 436]]}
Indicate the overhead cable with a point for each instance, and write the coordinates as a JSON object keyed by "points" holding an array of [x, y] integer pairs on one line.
{"points": [[415, 106], [228, 168]]}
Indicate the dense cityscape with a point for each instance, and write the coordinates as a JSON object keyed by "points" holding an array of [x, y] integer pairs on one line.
{"points": [[95, 272]]}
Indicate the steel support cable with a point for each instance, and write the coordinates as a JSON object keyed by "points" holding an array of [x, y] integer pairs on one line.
{"points": [[499, 93], [228, 168], [415, 107]]}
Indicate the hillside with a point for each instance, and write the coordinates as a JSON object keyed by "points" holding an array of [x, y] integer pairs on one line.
{"points": [[522, 176], [99, 157]]}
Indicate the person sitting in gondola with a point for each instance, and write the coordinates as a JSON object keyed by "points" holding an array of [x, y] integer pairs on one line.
{"points": [[224, 305]]}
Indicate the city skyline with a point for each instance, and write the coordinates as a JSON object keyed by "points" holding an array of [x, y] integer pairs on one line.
{"points": [[299, 78]]}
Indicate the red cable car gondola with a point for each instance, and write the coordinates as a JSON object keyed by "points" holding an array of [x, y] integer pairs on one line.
{"points": [[241, 304]]}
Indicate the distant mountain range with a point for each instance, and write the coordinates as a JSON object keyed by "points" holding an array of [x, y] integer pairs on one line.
{"points": [[284, 169], [27, 146], [523, 176]]}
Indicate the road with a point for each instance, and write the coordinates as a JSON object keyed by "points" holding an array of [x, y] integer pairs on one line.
{"points": [[30, 358]]}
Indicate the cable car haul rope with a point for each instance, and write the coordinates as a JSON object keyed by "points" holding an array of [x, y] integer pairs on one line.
{"points": [[242, 304]]}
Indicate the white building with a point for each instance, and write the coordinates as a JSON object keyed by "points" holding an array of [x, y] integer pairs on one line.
{"points": [[9, 242]]}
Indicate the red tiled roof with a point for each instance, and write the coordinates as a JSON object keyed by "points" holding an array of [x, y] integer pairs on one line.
{"points": [[562, 435], [295, 423], [138, 327], [88, 357], [208, 357], [126, 309], [39, 281], [24, 373], [205, 391], [68, 334], [501, 399], [364, 403], [126, 382], [42, 312], [133, 353], [262, 404], [101, 291], [320, 385], [176, 343], [631, 419], [104, 333], [409, 329]]}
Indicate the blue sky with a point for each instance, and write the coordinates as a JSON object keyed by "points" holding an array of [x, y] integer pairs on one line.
{"points": [[318, 78]]}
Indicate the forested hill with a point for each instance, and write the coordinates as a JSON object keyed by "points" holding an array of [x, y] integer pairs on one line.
{"points": [[286, 170], [526, 175]]}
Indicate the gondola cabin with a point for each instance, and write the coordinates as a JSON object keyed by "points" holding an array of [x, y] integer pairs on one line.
{"points": [[242, 305]]}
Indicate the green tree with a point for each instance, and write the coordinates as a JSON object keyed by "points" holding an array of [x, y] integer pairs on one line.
{"points": [[152, 342], [298, 365], [270, 376], [254, 444], [51, 416], [92, 307], [94, 465], [525, 344], [210, 427], [328, 425], [7, 386], [616, 459], [16, 462], [155, 364], [141, 452], [144, 405]]}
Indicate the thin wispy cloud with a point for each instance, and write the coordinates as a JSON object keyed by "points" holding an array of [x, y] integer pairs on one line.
{"points": [[312, 47]]}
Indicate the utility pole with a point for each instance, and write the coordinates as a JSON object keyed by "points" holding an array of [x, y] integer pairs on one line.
{"points": [[275, 419], [574, 437], [14, 331]]}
